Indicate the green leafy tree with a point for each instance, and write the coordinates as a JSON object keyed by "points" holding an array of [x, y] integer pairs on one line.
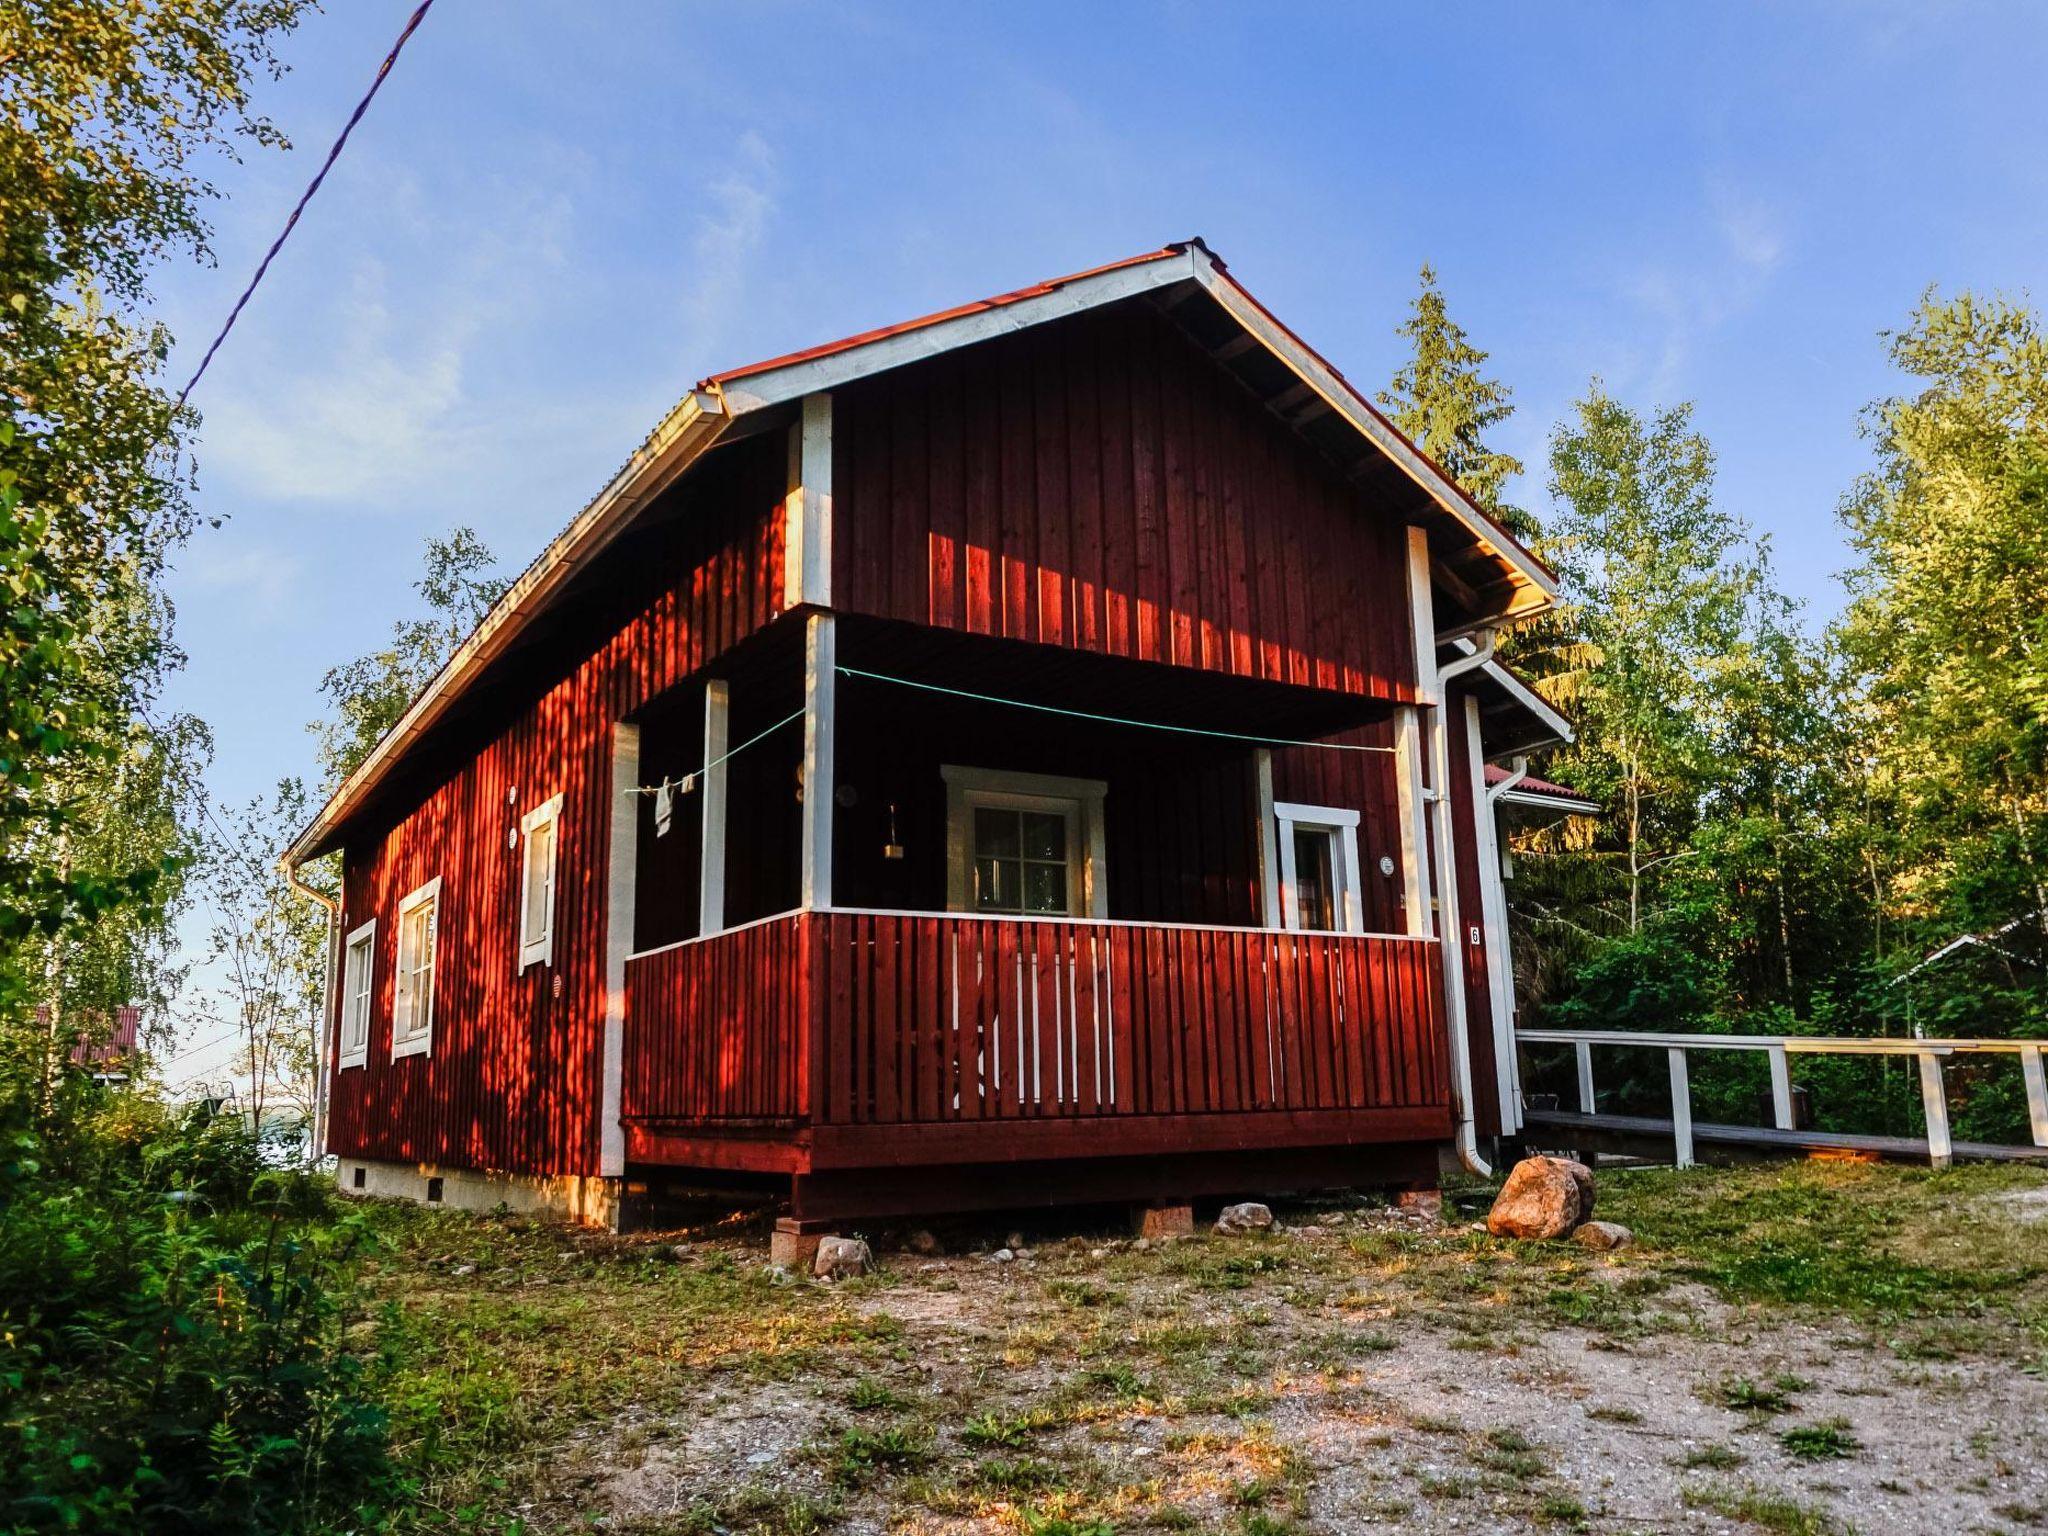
{"points": [[1443, 402], [1948, 623], [1655, 580], [367, 696], [109, 111]]}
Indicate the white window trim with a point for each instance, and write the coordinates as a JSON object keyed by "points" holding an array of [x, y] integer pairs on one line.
{"points": [[1321, 818], [1080, 800], [358, 1055], [416, 1041], [539, 949]]}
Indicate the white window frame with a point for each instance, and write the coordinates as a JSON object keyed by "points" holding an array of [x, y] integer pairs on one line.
{"points": [[539, 948], [1078, 800], [1341, 825], [358, 985], [412, 1025]]}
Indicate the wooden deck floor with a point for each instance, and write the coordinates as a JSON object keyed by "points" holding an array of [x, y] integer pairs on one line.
{"points": [[1644, 1135]]}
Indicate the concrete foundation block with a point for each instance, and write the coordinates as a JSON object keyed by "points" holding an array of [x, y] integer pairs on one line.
{"points": [[796, 1251]]}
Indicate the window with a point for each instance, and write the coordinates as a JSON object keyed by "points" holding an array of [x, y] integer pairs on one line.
{"points": [[358, 972], [412, 1013], [1319, 868], [537, 885], [1026, 844]]}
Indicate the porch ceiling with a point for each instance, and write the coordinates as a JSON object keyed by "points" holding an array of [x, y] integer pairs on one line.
{"points": [[1132, 691]]}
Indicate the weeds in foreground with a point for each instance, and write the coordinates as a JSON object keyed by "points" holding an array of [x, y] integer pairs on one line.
{"points": [[1768, 1511], [1829, 1441]]}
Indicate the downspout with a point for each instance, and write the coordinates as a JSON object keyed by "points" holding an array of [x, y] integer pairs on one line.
{"points": [[1467, 1137], [1500, 965], [316, 1147]]}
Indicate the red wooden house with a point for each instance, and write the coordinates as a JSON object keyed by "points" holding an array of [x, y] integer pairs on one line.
{"points": [[1034, 753]]}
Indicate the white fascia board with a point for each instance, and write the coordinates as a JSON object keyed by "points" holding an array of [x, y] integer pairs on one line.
{"points": [[1536, 800], [684, 434], [1530, 700], [1346, 402], [778, 386]]}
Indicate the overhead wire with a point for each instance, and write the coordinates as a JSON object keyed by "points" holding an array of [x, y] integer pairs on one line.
{"points": [[291, 223]]}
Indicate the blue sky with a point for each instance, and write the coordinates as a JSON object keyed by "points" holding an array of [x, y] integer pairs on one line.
{"points": [[556, 217]]}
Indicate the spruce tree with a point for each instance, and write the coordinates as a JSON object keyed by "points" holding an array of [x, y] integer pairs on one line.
{"points": [[1444, 404]]}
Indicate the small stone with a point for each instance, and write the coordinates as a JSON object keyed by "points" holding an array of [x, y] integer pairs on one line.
{"points": [[1142, 1244], [924, 1241], [1022, 1253], [779, 1274], [1014, 1240], [841, 1258], [679, 1251], [760, 1458], [1308, 1231], [1098, 1253], [463, 1269], [1602, 1236], [1543, 1197], [1421, 1205], [1003, 1255], [1249, 1216]]}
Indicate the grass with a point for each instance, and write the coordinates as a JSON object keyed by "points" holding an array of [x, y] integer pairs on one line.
{"points": [[1154, 1389]]}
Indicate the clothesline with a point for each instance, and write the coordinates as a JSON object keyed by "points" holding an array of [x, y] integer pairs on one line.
{"points": [[1085, 714]]}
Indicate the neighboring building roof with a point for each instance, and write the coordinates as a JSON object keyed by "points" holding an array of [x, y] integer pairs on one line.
{"points": [[1542, 794], [1489, 572], [93, 1049]]}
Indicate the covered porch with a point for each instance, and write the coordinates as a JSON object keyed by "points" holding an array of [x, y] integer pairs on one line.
{"points": [[1028, 925]]}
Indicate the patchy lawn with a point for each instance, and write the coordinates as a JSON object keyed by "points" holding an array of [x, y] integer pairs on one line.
{"points": [[1814, 1348]]}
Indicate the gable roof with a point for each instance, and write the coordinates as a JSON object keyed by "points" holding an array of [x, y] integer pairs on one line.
{"points": [[1541, 794], [1489, 575]]}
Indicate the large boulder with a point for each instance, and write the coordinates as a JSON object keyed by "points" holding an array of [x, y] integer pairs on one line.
{"points": [[1249, 1216], [1543, 1197], [841, 1258]]}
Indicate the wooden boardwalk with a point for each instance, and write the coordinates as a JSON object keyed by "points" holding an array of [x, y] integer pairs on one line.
{"points": [[1647, 1136]]}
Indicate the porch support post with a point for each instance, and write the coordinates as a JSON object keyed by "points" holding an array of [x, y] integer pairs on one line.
{"points": [[807, 510], [1934, 1101], [2037, 1092], [821, 688], [1269, 842], [624, 813], [711, 870]]}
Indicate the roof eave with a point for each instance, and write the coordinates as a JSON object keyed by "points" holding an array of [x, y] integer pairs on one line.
{"points": [[683, 435]]}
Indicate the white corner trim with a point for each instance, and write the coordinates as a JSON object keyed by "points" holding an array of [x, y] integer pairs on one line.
{"points": [[1270, 883], [821, 778], [621, 885], [539, 949], [1079, 800], [419, 1016], [352, 987], [711, 845], [807, 508]]}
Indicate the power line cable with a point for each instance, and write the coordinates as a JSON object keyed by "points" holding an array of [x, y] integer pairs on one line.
{"points": [[391, 58]]}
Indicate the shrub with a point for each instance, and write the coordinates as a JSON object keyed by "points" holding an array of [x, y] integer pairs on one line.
{"points": [[171, 1329]]}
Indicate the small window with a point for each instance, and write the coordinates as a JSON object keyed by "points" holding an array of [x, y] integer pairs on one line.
{"points": [[1319, 868], [537, 885], [412, 1013], [1024, 844], [358, 973]]}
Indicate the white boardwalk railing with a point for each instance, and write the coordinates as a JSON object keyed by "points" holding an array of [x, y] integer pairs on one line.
{"points": [[1780, 1048]]}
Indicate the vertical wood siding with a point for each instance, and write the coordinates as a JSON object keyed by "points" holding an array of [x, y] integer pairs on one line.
{"points": [[1355, 781], [512, 1080], [1102, 485]]}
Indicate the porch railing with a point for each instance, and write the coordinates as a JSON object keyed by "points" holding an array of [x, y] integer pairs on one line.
{"points": [[946, 1017], [866, 1018]]}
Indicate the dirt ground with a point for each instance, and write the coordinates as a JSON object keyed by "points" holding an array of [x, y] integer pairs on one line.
{"points": [[1354, 1369]]}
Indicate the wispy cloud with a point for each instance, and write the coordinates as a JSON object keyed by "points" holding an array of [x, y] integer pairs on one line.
{"points": [[726, 240], [265, 580]]}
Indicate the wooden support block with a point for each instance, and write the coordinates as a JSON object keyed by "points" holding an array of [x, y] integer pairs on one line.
{"points": [[1157, 1221]]}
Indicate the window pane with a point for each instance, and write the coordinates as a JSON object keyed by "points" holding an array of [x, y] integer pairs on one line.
{"points": [[995, 833], [1045, 835], [540, 845], [1045, 887], [1314, 882], [997, 884]]}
